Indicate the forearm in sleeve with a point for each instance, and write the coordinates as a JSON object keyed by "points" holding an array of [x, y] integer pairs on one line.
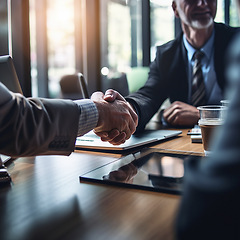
{"points": [[37, 126]]}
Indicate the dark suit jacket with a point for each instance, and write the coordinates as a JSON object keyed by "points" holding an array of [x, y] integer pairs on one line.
{"points": [[210, 207], [36, 126], [168, 74]]}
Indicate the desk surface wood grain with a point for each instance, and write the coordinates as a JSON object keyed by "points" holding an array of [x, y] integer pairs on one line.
{"points": [[47, 201]]}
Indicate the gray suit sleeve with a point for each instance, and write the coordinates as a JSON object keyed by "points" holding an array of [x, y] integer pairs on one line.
{"points": [[30, 126]]}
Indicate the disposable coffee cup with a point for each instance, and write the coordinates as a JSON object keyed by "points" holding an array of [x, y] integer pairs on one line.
{"points": [[211, 117]]}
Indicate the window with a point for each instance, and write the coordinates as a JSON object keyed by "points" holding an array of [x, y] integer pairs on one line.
{"points": [[60, 46], [60, 35], [121, 35], [121, 38], [162, 23], [220, 11], [234, 19]]}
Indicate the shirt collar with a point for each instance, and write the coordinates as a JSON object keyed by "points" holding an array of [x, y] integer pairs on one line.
{"points": [[207, 48]]}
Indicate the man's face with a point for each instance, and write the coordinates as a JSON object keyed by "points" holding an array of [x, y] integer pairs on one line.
{"points": [[197, 14]]}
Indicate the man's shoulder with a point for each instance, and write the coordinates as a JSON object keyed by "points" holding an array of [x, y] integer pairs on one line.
{"points": [[224, 35], [170, 46], [221, 28]]}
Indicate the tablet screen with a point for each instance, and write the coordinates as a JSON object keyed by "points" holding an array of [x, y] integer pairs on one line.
{"points": [[149, 169]]}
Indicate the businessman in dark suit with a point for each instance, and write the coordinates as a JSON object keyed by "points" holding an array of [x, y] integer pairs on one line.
{"points": [[171, 71]]}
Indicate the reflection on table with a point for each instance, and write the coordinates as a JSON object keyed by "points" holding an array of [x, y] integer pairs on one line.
{"points": [[149, 169]]}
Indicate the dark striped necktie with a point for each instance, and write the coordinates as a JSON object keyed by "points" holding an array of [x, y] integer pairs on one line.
{"points": [[198, 86]]}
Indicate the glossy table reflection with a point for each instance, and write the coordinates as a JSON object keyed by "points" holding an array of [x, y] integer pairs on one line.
{"points": [[47, 201], [148, 169]]}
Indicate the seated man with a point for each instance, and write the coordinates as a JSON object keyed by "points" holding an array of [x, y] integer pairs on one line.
{"points": [[172, 70]]}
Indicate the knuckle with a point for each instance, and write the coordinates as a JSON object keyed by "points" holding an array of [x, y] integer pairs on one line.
{"points": [[177, 111]]}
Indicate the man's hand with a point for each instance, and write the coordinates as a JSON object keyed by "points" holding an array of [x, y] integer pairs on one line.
{"points": [[117, 120], [181, 114]]}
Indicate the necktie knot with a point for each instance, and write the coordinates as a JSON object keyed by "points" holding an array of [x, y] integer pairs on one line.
{"points": [[198, 55]]}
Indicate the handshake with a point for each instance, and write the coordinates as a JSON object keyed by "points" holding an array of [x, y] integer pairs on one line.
{"points": [[117, 119]]}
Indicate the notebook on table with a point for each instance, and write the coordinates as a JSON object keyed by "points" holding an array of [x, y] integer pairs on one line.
{"points": [[93, 142]]}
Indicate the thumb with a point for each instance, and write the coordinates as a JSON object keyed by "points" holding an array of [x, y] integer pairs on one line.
{"points": [[96, 96], [111, 95]]}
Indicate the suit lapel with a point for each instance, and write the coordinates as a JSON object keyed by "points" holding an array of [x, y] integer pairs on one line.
{"points": [[218, 56], [178, 74]]}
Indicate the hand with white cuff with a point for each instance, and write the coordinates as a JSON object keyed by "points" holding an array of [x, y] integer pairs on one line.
{"points": [[117, 119]]}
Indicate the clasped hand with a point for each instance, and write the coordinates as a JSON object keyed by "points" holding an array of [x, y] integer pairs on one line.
{"points": [[117, 119], [181, 114]]}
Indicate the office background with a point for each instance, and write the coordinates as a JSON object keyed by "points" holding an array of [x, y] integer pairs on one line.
{"points": [[101, 38]]}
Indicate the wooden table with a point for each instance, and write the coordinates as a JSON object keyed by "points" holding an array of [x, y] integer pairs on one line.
{"points": [[47, 201]]}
